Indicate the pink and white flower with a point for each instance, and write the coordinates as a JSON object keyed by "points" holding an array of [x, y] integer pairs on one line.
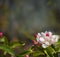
{"points": [[46, 39]]}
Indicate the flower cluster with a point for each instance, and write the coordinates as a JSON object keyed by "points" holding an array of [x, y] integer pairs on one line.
{"points": [[46, 39]]}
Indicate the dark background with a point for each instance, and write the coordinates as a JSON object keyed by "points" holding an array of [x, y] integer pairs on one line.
{"points": [[18, 17]]}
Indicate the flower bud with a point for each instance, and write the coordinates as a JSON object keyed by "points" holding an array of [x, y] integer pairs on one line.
{"points": [[27, 55], [1, 34]]}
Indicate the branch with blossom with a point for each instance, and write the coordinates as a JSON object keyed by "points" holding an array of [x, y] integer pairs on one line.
{"points": [[48, 42], [45, 44]]}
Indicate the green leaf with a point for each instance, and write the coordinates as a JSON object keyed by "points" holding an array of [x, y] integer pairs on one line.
{"points": [[15, 44], [57, 46], [6, 41], [58, 50], [56, 54], [2, 39], [37, 53], [20, 56], [53, 47], [7, 49], [24, 53], [50, 51]]}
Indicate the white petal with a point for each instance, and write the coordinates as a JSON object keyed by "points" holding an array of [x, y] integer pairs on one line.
{"points": [[37, 39], [50, 33], [47, 43], [54, 38], [39, 34], [44, 46], [43, 34], [42, 39], [47, 38]]}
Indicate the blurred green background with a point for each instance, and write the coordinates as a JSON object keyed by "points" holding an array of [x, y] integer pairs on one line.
{"points": [[18, 18]]}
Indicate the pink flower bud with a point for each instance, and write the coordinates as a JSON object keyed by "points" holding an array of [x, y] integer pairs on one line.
{"points": [[1, 34], [27, 55], [38, 44], [35, 35], [35, 42]]}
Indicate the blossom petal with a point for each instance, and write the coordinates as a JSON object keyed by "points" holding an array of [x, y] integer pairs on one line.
{"points": [[47, 43], [44, 46], [43, 34], [37, 39], [50, 33], [42, 39]]}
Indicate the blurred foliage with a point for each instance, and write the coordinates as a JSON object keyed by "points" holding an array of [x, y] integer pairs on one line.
{"points": [[34, 51]]}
